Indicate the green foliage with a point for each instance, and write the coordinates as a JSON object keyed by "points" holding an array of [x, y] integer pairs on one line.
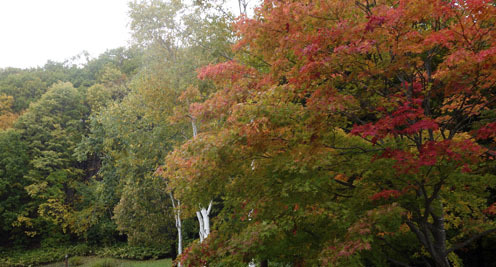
{"points": [[75, 252], [144, 213], [131, 144], [105, 263], [42, 255], [52, 128], [26, 86], [76, 261], [13, 198], [134, 252], [49, 193]]}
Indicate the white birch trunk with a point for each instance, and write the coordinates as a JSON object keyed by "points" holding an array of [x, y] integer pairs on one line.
{"points": [[203, 214], [193, 125], [177, 217], [202, 229], [252, 262], [206, 219]]}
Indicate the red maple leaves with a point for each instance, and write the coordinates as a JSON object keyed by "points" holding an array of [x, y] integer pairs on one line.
{"points": [[386, 194], [486, 132], [407, 119]]}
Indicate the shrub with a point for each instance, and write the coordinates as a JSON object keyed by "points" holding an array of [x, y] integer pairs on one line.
{"points": [[42, 255], [105, 263], [48, 255], [76, 261], [133, 252]]}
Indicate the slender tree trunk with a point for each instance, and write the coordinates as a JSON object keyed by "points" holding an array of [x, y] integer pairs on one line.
{"points": [[202, 228], [243, 4], [203, 214], [177, 217], [206, 219], [195, 129]]}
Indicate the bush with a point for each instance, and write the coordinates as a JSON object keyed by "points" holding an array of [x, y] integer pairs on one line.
{"points": [[105, 263], [79, 250], [48, 255], [42, 255], [76, 261], [133, 252]]}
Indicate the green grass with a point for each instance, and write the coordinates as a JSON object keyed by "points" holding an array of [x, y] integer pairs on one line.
{"points": [[92, 261]]}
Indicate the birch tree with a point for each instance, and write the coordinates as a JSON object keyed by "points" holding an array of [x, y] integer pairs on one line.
{"points": [[177, 32]]}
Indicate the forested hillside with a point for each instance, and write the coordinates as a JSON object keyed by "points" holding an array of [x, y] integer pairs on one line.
{"points": [[306, 133]]}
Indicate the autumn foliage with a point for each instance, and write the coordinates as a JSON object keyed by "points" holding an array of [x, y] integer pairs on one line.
{"points": [[397, 97]]}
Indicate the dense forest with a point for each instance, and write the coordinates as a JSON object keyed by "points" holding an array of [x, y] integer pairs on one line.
{"points": [[309, 133]]}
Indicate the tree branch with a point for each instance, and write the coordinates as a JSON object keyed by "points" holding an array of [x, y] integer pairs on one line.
{"points": [[470, 240], [344, 183], [421, 237]]}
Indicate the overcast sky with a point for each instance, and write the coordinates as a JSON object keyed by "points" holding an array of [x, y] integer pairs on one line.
{"points": [[34, 31]]}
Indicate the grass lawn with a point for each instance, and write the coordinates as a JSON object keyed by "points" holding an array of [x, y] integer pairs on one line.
{"points": [[96, 261]]}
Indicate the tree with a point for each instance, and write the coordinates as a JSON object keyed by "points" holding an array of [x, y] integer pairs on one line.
{"points": [[349, 101], [180, 37], [24, 86], [51, 129], [13, 197]]}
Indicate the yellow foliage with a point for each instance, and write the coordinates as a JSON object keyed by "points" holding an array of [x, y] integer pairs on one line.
{"points": [[7, 117]]}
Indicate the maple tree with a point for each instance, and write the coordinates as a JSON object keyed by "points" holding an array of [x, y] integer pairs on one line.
{"points": [[376, 115]]}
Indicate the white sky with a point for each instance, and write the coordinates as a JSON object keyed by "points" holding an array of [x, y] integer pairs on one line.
{"points": [[34, 31]]}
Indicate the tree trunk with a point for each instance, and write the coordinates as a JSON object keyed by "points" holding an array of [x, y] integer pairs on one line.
{"points": [[179, 235], [206, 219], [202, 228], [432, 235], [203, 214], [439, 235], [179, 244], [177, 217]]}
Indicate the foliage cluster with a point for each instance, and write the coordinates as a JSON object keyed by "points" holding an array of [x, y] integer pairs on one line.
{"points": [[56, 187], [43, 255], [134, 252], [58, 253], [75, 261]]}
